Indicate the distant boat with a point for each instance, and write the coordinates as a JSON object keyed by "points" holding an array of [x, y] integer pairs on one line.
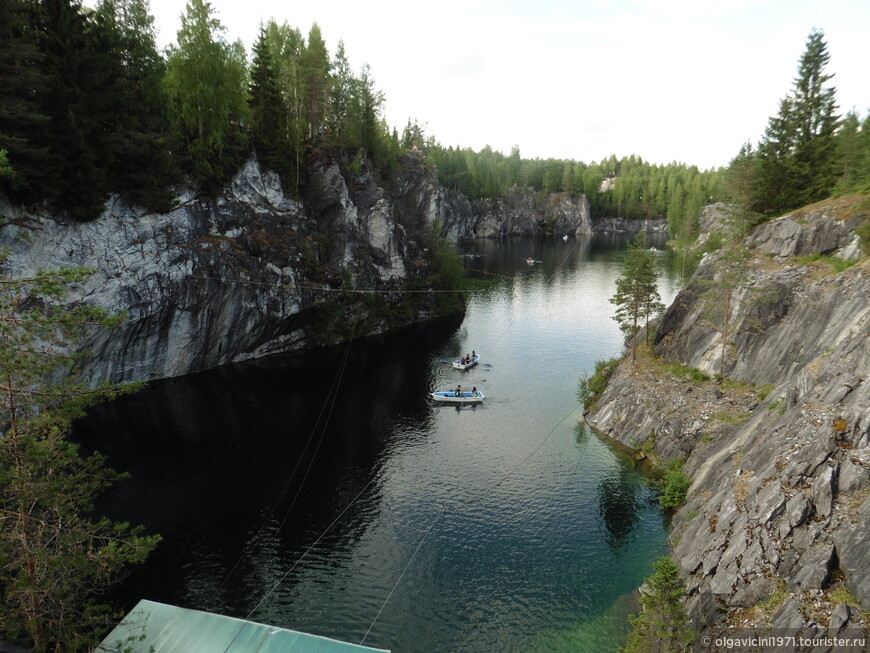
{"points": [[565, 237], [451, 397], [459, 365]]}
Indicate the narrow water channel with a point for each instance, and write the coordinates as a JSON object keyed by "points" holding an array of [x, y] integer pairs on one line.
{"points": [[325, 493]]}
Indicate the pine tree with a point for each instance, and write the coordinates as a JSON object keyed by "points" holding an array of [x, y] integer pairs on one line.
{"points": [[141, 168], [314, 68], [285, 44], [370, 102], [663, 626], [796, 159], [341, 98], [268, 117], [81, 87], [637, 297], [849, 152], [22, 119], [57, 559]]}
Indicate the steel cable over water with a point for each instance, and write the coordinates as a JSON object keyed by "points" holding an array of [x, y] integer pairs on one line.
{"points": [[331, 399]]}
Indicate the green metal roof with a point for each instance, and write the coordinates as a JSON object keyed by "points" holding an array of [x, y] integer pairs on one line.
{"points": [[162, 628]]}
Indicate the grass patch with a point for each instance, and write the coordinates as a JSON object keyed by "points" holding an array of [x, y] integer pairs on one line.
{"points": [[819, 261], [841, 594], [864, 237], [647, 447], [685, 372], [729, 418], [763, 391], [590, 388]]}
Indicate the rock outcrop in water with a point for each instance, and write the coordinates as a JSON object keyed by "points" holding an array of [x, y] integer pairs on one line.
{"points": [[253, 272], [775, 527]]}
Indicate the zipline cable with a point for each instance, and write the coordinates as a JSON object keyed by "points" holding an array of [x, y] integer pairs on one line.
{"points": [[283, 490], [333, 392], [471, 502], [487, 492], [325, 424], [440, 513], [311, 546], [299, 490], [399, 579]]}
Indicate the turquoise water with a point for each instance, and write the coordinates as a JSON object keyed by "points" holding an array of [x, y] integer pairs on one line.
{"points": [[327, 494]]}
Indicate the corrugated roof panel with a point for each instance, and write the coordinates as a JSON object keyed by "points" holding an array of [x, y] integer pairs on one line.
{"points": [[170, 629]]}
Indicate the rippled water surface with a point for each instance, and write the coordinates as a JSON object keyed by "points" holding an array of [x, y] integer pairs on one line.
{"points": [[325, 493]]}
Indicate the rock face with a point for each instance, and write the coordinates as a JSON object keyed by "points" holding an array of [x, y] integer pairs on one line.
{"points": [[251, 272], [779, 454], [520, 213], [238, 277], [621, 225]]}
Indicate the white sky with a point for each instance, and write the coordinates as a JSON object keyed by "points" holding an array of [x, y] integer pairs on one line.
{"points": [[668, 80]]}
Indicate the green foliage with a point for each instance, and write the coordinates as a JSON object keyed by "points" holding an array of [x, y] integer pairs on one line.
{"points": [[763, 391], [89, 107], [269, 119], [778, 406], [731, 274], [141, 168], [23, 84], [637, 297], [863, 232], [636, 189], [798, 159], [674, 485], [6, 170], [57, 558], [81, 74], [835, 264], [663, 626], [590, 389], [207, 83], [686, 372], [314, 68]]}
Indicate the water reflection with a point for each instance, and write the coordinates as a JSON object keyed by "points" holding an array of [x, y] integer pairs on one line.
{"points": [[305, 487]]}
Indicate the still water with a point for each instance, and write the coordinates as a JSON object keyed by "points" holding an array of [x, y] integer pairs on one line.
{"points": [[325, 493]]}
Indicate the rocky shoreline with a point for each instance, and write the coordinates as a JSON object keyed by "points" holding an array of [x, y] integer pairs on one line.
{"points": [[774, 532]]}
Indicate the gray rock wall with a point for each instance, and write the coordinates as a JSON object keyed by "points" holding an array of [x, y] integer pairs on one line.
{"points": [[520, 213], [621, 225], [779, 455], [214, 282], [243, 276]]}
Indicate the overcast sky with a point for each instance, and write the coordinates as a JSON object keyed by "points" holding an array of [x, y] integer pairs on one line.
{"points": [[668, 80]]}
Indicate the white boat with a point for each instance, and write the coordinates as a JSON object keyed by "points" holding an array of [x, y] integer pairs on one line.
{"points": [[451, 397], [459, 365]]}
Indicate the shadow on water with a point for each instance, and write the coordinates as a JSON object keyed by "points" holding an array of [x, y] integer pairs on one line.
{"points": [[538, 527], [214, 457]]}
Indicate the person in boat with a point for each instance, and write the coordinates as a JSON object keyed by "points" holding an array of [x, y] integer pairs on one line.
{"points": [[458, 390], [467, 358], [474, 391], [473, 354]]}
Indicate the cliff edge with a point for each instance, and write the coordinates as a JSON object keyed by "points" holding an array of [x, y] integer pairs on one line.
{"points": [[774, 531]]}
